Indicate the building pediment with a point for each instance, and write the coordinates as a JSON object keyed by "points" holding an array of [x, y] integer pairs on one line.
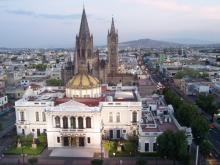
{"points": [[73, 106]]}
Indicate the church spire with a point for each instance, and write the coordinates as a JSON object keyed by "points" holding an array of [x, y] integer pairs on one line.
{"points": [[84, 27], [112, 26]]}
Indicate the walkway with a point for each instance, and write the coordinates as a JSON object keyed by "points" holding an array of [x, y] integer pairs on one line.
{"points": [[74, 152]]}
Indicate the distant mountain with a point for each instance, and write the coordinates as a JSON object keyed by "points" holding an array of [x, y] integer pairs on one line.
{"points": [[148, 43], [190, 41]]}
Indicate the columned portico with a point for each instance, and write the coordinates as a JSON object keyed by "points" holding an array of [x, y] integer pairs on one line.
{"points": [[73, 140]]}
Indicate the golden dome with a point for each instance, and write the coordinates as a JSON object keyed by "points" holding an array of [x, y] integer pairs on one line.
{"points": [[83, 81]]}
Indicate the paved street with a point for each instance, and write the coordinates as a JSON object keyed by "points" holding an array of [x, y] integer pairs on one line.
{"points": [[84, 161], [76, 152], [8, 133], [214, 134]]}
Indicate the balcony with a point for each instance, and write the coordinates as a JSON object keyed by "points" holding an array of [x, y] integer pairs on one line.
{"points": [[70, 130], [21, 121]]}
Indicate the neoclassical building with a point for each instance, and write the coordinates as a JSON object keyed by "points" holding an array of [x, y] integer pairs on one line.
{"points": [[79, 121], [86, 111]]}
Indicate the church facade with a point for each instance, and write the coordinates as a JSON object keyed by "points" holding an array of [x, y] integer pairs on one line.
{"points": [[87, 59]]}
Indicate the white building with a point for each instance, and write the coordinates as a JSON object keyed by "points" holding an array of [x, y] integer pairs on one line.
{"points": [[83, 122], [156, 117], [79, 121]]}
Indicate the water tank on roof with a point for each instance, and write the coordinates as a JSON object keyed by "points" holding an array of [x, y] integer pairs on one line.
{"points": [[109, 98]]}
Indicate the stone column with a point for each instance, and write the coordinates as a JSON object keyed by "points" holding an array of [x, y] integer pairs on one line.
{"points": [[61, 121], [69, 138], [84, 122], [77, 126], [69, 123], [77, 141], [61, 138]]}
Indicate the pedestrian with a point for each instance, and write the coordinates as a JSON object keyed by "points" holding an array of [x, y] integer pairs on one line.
{"points": [[19, 161]]}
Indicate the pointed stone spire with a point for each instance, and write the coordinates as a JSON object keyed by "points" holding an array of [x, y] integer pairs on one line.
{"points": [[84, 27], [112, 31]]}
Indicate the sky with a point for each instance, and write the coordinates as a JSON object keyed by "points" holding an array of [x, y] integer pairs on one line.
{"points": [[55, 23]]}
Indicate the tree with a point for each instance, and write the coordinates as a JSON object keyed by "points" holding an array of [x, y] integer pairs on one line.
{"points": [[199, 128], [32, 160], [190, 73], [173, 146], [206, 102], [186, 114], [110, 145], [40, 67], [141, 162], [205, 148], [0, 126], [54, 82]]}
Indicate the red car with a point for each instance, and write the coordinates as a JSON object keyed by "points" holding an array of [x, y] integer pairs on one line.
{"points": [[211, 126]]}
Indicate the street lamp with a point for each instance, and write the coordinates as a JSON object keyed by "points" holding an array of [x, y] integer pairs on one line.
{"points": [[198, 139], [22, 152]]}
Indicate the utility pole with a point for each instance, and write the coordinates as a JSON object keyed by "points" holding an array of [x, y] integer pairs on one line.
{"points": [[197, 154]]}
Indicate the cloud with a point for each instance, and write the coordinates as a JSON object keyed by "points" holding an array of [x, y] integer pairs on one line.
{"points": [[211, 12], [43, 15], [167, 5], [20, 12]]}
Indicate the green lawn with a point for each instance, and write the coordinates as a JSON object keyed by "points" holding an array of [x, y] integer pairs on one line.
{"points": [[128, 148], [13, 150], [26, 145]]}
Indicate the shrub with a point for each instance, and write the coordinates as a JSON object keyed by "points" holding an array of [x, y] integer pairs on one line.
{"points": [[96, 162]]}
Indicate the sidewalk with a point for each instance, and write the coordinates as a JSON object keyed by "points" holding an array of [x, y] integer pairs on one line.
{"points": [[83, 161]]}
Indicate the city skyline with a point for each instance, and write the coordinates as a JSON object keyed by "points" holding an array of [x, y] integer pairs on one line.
{"points": [[55, 23]]}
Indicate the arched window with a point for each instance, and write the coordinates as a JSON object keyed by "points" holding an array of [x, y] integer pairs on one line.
{"points": [[88, 122], [80, 122], [65, 122], [43, 116], [118, 117], [134, 117], [22, 116], [73, 122], [110, 117], [37, 116], [57, 122]]}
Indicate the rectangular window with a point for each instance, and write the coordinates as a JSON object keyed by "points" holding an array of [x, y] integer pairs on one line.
{"points": [[118, 134], [33, 130], [124, 130], [146, 147], [110, 117], [118, 117], [44, 131], [22, 116], [154, 146], [37, 116], [111, 134], [38, 132], [58, 139], [88, 139], [43, 116]]}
